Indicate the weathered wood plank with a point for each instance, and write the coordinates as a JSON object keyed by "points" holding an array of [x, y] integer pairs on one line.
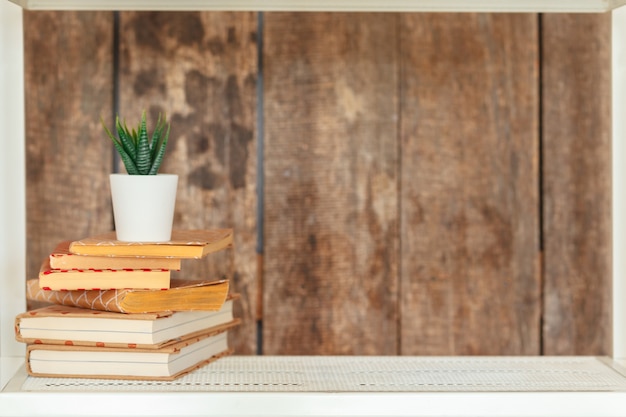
{"points": [[470, 279], [68, 87], [331, 172], [200, 68], [452, 208], [577, 183]]}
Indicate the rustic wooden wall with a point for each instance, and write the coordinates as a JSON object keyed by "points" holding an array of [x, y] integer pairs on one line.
{"points": [[576, 158], [434, 183], [470, 274], [200, 69], [331, 159], [69, 85]]}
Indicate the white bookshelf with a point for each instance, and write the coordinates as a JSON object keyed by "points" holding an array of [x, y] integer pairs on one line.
{"points": [[12, 176], [310, 386], [347, 386], [332, 5]]}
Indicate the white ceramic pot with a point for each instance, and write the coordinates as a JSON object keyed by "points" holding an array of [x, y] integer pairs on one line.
{"points": [[143, 206]]}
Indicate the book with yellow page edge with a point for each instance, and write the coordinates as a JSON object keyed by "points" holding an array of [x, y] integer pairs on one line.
{"points": [[205, 295], [62, 258], [101, 279], [63, 325], [187, 244], [166, 363]]}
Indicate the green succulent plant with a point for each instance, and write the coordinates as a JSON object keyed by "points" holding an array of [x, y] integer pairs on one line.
{"points": [[140, 155]]}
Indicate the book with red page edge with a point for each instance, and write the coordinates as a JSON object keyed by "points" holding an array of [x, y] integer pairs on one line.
{"points": [[102, 279]]}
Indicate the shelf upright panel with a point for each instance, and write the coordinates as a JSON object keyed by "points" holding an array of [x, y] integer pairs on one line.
{"points": [[12, 177], [619, 181]]}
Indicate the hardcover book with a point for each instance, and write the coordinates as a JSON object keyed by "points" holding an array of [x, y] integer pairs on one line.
{"points": [[62, 258], [166, 363], [186, 244], [83, 327], [182, 295], [102, 279]]}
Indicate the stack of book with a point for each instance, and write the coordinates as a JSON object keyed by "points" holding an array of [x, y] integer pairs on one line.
{"points": [[114, 311]]}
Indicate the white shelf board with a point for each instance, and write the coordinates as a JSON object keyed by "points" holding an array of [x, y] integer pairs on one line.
{"points": [[12, 177], [341, 386], [332, 5], [8, 368]]}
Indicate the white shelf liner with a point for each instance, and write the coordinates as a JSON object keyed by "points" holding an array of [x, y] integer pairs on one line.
{"points": [[371, 374]]}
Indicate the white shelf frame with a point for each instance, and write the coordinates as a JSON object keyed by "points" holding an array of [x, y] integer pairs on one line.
{"points": [[12, 177], [544, 6], [13, 231], [344, 386]]}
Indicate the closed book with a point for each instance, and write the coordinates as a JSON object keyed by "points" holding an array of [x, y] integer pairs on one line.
{"points": [[205, 295], [166, 363], [186, 244], [62, 258], [101, 279], [83, 327]]}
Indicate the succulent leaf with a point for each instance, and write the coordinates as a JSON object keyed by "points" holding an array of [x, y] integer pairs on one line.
{"points": [[158, 158], [128, 162], [140, 155], [125, 139], [157, 137], [108, 132], [143, 161]]}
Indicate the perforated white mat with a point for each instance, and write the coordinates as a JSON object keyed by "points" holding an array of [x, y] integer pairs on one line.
{"points": [[365, 374]]}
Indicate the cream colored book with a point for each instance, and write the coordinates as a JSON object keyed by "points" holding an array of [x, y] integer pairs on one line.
{"points": [[63, 325], [166, 363], [187, 244]]}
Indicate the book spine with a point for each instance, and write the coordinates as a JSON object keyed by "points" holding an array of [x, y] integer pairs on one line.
{"points": [[105, 300]]}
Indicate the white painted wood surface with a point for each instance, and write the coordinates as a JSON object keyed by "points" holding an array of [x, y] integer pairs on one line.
{"points": [[619, 182], [16, 402], [12, 177], [332, 5], [341, 386]]}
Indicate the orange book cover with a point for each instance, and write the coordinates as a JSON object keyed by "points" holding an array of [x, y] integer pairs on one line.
{"points": [[62, 258], [205, 295], [186, 244]]}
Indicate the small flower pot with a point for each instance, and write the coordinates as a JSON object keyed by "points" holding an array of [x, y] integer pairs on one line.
{"points": [[143, 206]]}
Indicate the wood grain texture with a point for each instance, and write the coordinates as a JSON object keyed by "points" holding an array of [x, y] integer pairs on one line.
{"points": [[469, 225], [577, 184], [68, 85], [200, 68], [404, 201], [331, 171]]}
